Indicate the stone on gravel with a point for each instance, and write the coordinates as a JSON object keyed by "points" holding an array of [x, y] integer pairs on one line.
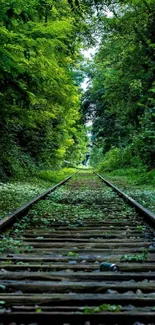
{"points": [[139, 292], [129, 293], [72, 262], [110, 292], [129, 307]]}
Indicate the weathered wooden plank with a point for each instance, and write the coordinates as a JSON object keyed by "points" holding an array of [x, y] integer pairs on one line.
{"points": [[72, 318], [80, 299], [94, 231], [73, 227], [80, 276], [93, 240], [124, 267], [72, 308], [89, 225], [118, 251], [86, 287], [85, 240], [80, 258], [90, 245]]}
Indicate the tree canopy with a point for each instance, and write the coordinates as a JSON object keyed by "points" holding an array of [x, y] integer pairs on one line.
{"points": [[40, 120], [121, 92]]}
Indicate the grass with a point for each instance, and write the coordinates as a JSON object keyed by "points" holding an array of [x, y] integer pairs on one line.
{"points": [[15, 193], [137, 184]]}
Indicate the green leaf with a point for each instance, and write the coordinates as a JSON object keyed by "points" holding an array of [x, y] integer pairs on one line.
{"points": [[38, 310]]}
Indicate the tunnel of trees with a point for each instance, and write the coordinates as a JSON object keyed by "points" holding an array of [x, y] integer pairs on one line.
{"points": [[43, 108]]}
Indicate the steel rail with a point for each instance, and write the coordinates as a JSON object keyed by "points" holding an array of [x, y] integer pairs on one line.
{"points": [[147, 213], [8, 220]]}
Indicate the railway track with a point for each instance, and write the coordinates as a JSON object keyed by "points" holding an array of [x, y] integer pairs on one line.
{"points": [[53, 263]]}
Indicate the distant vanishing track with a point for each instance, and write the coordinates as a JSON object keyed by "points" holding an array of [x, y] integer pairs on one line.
{"points": [[50, 260]]}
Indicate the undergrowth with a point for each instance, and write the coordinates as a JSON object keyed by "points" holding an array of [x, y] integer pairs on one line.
{"points": [[103, 308], [17, 192], [135, 183]]}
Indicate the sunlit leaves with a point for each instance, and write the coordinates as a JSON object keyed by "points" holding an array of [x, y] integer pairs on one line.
{"points": [[40, 102]]}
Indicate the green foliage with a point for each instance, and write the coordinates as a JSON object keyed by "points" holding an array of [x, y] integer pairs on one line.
{"points": [[141, 228], [103, 308], [55, 176], [42, 209], [135, 258], [74, 254], [121, 92], [113, 159], [135, 182], [10, 245], [7, 245], [132, 175], [39, 120], [38, 310], [14, 194]]}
